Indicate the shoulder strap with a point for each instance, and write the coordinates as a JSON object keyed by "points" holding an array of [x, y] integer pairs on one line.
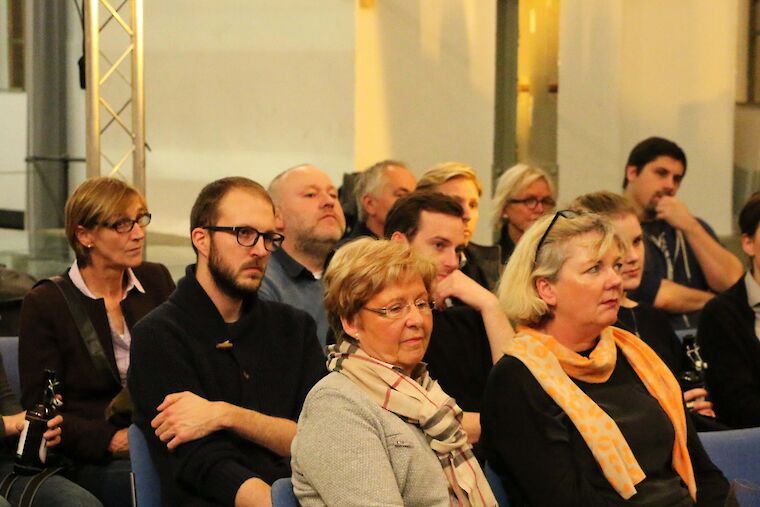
{"points": [[84, 325], [30, 491]]}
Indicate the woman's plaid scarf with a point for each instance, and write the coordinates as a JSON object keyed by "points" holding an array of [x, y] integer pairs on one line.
{"points": [[419, 400]]}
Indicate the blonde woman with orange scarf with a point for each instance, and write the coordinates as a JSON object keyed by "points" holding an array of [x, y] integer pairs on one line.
{"points": [[579, 412]]}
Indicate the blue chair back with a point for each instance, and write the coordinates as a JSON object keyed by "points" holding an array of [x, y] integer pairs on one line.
{"points": [[282, 493], [497, 486], [147, 485], [9, 351], [735, 452]]}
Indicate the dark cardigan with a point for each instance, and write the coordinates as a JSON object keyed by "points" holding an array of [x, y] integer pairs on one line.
{"points": [[49, 338], [728, 343], [273, 362]]}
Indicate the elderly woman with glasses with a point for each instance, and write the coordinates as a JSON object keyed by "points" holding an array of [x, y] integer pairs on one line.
{"points": [[579, 412], [378, 430], [523, 194], [78, 324]]}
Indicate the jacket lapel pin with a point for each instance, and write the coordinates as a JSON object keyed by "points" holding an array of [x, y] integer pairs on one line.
{"points": [[226, 344]]}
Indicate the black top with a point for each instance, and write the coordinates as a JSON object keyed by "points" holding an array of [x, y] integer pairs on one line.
{"points": [[459, 355], [483, 264], [728, 343], [653, 327], [542, 458], [274, 361], [506, 243]]}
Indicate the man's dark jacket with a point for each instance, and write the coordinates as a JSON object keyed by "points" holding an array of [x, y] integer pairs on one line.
{"points": [[274, 361]]}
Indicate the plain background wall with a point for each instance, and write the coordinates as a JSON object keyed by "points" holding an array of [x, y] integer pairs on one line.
{"points": [[237, 87], [630, 70], [425, 86]]}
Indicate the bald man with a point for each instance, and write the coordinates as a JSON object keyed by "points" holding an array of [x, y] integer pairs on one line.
{"points": [[308, 214]]}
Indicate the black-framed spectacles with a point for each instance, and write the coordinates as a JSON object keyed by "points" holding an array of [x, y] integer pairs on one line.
{"points": [[248, 236], [400, 310], [564, 213], [124, 225], [532, 202]]}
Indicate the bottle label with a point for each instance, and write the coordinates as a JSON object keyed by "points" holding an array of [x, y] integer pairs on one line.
{"points": [[22, 439], [43, 451]]}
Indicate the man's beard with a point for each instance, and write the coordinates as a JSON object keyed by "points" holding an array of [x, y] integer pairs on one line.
{"points": [[225, 280], [314, 246]]}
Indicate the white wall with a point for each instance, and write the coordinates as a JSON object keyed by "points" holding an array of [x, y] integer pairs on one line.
{"points": [[12, 150], [240, 87], [629, 70], [425, 86]]}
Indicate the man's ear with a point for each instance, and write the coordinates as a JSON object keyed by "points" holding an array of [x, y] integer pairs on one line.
{"points": [[545, 290], [201, 239], [368, 203], [748, 245], [279, 223], [399, 237], [631, 173]]}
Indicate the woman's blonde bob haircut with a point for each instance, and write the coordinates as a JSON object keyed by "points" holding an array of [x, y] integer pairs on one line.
{"points": [[511, 183], [95, 202], [441, 173], [364, 267], [517, 287]]}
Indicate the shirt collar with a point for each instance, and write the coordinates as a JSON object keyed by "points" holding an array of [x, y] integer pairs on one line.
{"points": [[753, 289], [76, 278], [292, 267]]}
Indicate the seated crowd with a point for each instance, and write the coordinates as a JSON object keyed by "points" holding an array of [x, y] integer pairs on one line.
{"points": [[380, 365]]}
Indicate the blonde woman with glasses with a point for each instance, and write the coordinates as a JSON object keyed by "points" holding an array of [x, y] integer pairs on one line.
{"points": [[579, 412]]}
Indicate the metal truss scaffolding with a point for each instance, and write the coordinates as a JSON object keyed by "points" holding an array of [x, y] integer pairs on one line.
{"points": [[114, 90]]}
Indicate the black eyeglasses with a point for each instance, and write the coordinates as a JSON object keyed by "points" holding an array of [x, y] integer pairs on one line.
{"points": [[564, 213], [124, 225], [248, 236], [532, 202]]}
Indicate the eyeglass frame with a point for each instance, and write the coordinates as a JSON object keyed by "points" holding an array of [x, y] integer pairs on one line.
{"points": [[543, 201], [564, 213], [236, 230], [404, 310], [126, 220]]}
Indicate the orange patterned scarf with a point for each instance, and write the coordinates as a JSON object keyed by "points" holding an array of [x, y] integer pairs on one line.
{"points": [[552, 364]]}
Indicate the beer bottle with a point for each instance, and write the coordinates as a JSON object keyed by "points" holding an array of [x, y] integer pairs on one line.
{"points": [[31, 453]]}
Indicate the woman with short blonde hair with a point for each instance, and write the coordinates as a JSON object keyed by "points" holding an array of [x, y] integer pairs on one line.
{"points": [[390, 434], [79, 324]]}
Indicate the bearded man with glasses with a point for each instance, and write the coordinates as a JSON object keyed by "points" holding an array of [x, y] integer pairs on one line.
{"points": [[219, 375]]}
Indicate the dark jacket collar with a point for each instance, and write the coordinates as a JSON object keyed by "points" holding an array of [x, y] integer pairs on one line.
{"points": [[292, 267], [195, 302]]}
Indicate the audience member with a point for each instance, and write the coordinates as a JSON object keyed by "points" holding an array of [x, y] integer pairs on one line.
{"points": [[379, 187], [219, 374], [394, 435], [308, 213], [729, 331], [80, 325], [685, 263], [645, 321], [523, 193], [579, 412], [481, 263], [55, 491], [468, 338]]}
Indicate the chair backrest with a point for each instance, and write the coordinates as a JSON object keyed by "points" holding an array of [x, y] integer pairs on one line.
{"points": [[146, 481], [735, 452], [9, 351], [497, 486], [282, 493]]}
